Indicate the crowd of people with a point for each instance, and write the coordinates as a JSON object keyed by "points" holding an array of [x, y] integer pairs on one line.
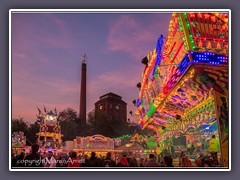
{"points": [[72, 160]]}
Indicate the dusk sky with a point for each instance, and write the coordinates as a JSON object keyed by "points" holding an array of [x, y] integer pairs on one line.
{"points": [[46, 57]]}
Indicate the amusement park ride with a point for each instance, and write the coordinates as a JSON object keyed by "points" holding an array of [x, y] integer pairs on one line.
{"points": [[49, 136], [185, 80]]}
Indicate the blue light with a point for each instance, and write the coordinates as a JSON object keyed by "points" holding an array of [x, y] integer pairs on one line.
{"points": [[207, 127], [138, 102], [159, 50]]}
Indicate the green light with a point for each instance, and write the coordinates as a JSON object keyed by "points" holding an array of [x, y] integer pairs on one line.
{"points": [[151, 143], [152, 109]]}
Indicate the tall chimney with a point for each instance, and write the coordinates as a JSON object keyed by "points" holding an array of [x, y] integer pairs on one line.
{"points": [[83, 105]]}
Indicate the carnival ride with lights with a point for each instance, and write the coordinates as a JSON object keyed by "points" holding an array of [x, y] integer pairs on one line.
{"points": [[49, 136], [185, 81]]}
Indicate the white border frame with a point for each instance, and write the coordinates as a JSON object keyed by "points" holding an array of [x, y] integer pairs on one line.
{"points": [[114, 11]]}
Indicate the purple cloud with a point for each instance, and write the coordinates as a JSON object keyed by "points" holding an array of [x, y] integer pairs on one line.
{"points": [[130, 35]]}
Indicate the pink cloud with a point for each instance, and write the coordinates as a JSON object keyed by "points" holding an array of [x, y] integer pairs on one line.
{"points": [[128, 35], [64, 40], [29, 91], [22, 31]]}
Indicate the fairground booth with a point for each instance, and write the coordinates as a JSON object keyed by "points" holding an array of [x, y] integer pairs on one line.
{"points": [[184, 90], [99, 144], [19, 143], [138, 145]]}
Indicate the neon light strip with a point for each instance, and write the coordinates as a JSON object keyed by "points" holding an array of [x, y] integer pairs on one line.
{"points": [[188, 27], [154, 63], [178, 51], [184, 31], [172, 48]]}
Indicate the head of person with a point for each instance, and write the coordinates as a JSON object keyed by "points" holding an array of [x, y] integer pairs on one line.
{"points": [[182, 153], [167, 161], [211, 163], [206, 163], [185, 161], [93, 155], [22, 155], [35, 148], [74, 154], [117, 160], [198, 162], [70, 154], [49, 154], [108, 156], [85, 156], [151, 157], [213, 136]]}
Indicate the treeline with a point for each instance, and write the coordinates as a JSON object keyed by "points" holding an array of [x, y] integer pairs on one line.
{"points": [[71, 126]]}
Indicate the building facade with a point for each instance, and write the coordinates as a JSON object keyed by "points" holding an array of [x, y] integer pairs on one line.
{"points": [[112, 106]]}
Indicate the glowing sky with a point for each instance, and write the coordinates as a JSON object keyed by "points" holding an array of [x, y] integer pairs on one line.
{"points": [[46, 63]]}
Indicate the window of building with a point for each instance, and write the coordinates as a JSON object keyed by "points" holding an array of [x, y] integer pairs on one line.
{"points": [[117, 107]]}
